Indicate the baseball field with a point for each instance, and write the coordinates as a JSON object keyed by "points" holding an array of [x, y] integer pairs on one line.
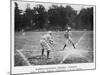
{"points": [[28, 49]]}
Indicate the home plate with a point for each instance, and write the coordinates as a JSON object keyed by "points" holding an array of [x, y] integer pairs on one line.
{"points": [[72, 53]]}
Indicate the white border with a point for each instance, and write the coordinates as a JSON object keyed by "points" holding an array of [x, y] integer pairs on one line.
{"points": [[47, 68], [53, 68]]}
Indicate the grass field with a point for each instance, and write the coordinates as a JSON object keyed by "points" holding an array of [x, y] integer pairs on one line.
{"points": [[29, 45]]}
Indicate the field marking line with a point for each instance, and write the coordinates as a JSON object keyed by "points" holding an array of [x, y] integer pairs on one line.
{"points": [[75, 45], [23, 57], [80, 39]]}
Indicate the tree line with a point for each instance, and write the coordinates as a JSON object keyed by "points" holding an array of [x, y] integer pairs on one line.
{"points": [[55, 18]]}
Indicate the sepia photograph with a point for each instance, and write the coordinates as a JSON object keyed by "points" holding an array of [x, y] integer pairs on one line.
{"points": [[52, 33]]}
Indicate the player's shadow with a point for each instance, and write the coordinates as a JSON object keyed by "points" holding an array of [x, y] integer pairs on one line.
{"points": [[38, 57]]}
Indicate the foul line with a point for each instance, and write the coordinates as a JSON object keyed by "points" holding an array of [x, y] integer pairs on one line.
{"points": [[25, 59], [80, 39], [75, 45]]}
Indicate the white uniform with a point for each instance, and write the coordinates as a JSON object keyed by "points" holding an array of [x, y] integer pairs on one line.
{"points": [[46, 41]]}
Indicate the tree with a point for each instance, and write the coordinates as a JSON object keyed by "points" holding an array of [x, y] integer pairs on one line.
{"points": [[57, 16], [60, 16], [40, 16], [84, 19], [17, 18], [70, 16], [28, 18]]}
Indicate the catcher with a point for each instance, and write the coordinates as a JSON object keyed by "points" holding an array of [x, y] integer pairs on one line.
{"points": [[46, 43]]}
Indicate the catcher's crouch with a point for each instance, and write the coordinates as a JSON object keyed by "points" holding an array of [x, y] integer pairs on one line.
{"points": [[46, 42]]}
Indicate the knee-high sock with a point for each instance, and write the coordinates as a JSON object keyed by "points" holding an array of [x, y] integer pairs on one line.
{"points": [[42, 51], [48, 53], [72, 43], [64, 46]]}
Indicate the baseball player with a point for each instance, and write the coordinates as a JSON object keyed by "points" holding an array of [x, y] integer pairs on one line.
{"points": [[46, 43], [67, 35]]}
